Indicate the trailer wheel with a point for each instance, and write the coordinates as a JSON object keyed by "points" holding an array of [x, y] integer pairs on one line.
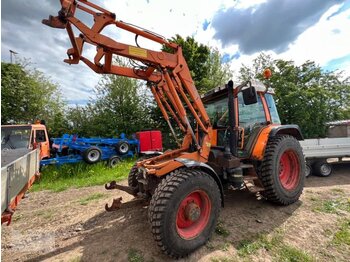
{"points": [[322, 168], [123, 147], [184, 210], [308, 170], [92, 155], [283, 170], [114, 161]]}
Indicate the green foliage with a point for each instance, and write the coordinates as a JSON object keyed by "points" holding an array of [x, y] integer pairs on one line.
{"points": [[305, 95], [135, 255], [28, 95], [221, 230], [292, 254], [78, 175], [332, 206], [204, 62], [121, 106], [342, 236]]}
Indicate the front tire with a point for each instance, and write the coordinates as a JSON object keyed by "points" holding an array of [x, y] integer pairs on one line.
{"points": [[92, 155], [184, 210], [283, 170]]}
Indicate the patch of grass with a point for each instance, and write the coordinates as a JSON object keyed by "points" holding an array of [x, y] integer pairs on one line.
{"points": [[332, 206], [78, 175], [342, 236], [291, 254], [135, 255], [249, 247], [221, 230], [84, 201], [75, 259]]}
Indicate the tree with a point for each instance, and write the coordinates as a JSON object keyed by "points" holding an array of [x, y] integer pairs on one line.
{"points": [[305, 95], [204, 62], [120, 106], [28, 95]]}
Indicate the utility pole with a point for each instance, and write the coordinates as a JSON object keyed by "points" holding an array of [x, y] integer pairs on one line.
{"points": [[12, 53]]}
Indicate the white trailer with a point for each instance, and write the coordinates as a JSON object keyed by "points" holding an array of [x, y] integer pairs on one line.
{"points": [[319, 152], [19, 168]]}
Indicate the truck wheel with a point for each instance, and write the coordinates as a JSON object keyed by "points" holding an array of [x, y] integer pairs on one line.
{"points": [[184, 210], [92, 155], [123, 147], [113, 161], [132, 177], [283, 170], [322, 168], [308, 170]]}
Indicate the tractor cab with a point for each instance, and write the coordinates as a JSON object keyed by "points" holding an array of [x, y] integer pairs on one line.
{"points": [[254, 108], [26, 136]]}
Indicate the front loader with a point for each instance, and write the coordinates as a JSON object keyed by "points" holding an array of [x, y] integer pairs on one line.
{"points": [[232, 137]]}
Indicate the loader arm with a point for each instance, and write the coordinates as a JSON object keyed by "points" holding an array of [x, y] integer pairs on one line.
{"points": [[167, 75]]}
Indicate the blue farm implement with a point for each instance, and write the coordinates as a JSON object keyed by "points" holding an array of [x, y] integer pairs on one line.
{"points": [[72, 149]]}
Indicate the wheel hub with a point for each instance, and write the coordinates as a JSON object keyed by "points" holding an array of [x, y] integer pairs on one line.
{"points": [[192, 212]]}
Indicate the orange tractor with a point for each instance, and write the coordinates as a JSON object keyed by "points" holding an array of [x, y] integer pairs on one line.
{"points": [[234, 140]]}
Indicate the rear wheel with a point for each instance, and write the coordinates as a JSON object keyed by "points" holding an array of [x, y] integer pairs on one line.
{"points": [[184, 210], [283, 170], [322, 168], [113, 161]]}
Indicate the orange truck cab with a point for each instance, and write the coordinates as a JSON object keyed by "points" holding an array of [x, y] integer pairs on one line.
{"points": [[26, 136]]}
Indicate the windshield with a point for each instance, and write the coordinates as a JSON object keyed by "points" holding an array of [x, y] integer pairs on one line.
{"points": [[15, 137]]}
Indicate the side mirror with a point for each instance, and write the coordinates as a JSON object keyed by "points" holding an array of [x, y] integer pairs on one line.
{"points": [[249, 95]]}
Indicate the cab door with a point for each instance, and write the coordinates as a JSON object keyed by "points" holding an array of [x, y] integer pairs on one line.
{"points": [[41, 139], [252, 119]]}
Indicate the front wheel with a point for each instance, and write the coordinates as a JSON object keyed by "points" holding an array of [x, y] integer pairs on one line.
{"points": [[322, 168], [184, 210], [283, 170]]}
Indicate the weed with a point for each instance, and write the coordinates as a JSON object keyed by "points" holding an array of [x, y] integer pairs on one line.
{"points": [[78, 175], [209, 245], [220, 230], [86, 200], [225, 246], [135, 255], [342, 236], [291, 254]]}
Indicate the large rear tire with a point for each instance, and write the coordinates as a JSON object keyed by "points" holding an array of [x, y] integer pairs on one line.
{"points": [[184, 210], [283, 170]]}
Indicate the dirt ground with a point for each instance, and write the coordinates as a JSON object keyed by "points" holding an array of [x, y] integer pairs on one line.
{"points": [[73, 226]]}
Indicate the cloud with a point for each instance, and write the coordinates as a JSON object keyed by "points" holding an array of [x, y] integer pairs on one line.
{"points": [[22, 31], [272, 25]]}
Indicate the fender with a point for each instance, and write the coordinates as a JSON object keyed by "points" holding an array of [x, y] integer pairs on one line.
{"points": [[293, 130], [271, 131], [204, 167]]}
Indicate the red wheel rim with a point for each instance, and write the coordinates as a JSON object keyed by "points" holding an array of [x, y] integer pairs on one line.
{"points": [[289, 170], [193, 214]]}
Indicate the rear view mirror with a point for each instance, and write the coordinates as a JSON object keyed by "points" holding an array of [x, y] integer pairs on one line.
{"points": [[249, 95]]}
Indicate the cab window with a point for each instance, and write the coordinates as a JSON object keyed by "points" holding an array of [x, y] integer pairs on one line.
{"points": [[250, 115], [40, 136]]}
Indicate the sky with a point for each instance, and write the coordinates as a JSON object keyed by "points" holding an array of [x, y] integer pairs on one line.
{"points": [[298, 30]]}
